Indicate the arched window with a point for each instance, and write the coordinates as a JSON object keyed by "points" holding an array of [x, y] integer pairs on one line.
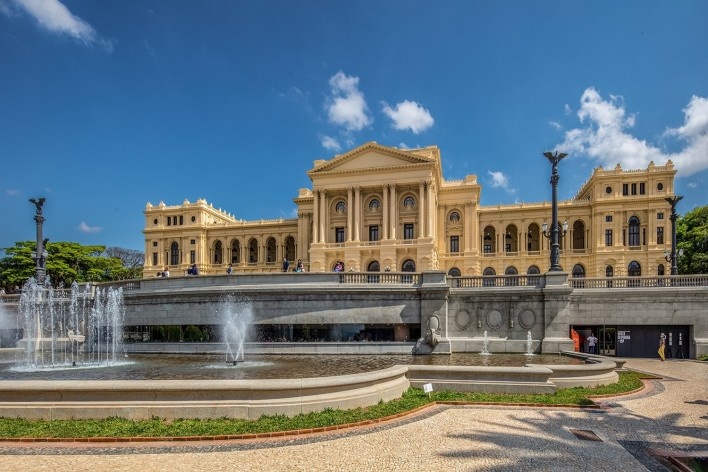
{"points": [[511, 281], [534, 238], [634, 269], [578, 271], [454, 217], [373, 267], [374, 204], [290, 248], [489, 273], [634, 231], [489, 238], [174, 254], [534, 272], [511, 239], [578, 235], [235, 251], [660, 270], [252, 251], [408, 266], [341, 207], [218, 252], [454, 272], [270, 250], [609, 271], [408, 203]]}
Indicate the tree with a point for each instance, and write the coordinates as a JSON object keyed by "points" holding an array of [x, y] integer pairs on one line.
{"points": [[692, 237], [66, 262], [132, 262]]}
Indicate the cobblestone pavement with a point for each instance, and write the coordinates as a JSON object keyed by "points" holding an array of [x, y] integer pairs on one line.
{"points": [[670, 417]]}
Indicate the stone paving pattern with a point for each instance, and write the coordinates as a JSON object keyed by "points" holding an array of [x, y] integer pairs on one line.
{"points": [[672, 416]]}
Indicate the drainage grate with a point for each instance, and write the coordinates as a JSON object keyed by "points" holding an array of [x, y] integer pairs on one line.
{"points": [[585, 435]]}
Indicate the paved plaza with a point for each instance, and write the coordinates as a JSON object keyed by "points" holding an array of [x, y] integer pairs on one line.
{"points": [[670, 418]]}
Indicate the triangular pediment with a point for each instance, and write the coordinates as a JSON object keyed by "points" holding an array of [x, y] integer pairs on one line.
{"points": [[370, 156]]}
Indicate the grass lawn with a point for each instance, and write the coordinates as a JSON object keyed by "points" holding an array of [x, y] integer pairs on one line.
{"points": [[412, 399]]}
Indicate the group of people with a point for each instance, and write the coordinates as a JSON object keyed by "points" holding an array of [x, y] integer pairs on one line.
{"points": [[339, 266], [298, 267], [193, 270], [164, 273]]}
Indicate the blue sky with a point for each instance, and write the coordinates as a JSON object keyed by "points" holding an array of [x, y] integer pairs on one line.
{"points": [[107, 105]]}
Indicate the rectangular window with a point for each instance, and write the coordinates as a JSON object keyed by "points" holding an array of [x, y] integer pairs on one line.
{"points": [[625, 189], [642, 188], [408, 231], [660, 235], [154, 258], [454, 244], [169, 221], [507, 247], [487, 248], [373, 233], [608, 218], [660, 215], [192, 241], [181, 219], [339, 234], [608, 237], [154, 244], [192, 256], [634, 189]]}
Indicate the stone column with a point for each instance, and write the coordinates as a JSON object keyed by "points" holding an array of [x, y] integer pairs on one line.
{"points": [[385, 212], [350, 212], [357, 211], [421, 209], [315, 216], [556, 313], [323, 216], [393, 217], [432, 214]]}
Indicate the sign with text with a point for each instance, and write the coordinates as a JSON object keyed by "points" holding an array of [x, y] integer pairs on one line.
{"points": [[427, 388]]}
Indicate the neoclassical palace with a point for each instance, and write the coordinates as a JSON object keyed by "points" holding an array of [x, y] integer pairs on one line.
{"points": [[379, 208]]}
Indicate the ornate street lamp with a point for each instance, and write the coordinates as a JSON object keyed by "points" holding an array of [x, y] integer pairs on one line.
{"points": [[673, 201], [40, 256], [554, 159]]}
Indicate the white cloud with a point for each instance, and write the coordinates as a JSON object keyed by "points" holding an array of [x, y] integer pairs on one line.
{"points": [[330, 143], [54, 16], [84, 228], [555, 125], [605, 138], [12, 192], [409, 115], [567, 110], [403, 145], [499, 180], [347, 107], [692, 185]]}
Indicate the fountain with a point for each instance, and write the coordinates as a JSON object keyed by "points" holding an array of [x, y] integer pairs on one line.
{"points": [[485, 346], [529, 344], [237, 316], [70, 327]]}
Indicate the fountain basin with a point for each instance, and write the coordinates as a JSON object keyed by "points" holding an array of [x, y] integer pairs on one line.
{"points": [[249, 399]]}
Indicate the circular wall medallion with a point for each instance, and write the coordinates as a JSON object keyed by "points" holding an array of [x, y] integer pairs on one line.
{"points": [[463, 319], [527, 319], [494, 319], [608, 190], [660, 186]]}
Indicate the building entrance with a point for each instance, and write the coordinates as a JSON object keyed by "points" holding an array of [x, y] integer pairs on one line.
{"points": [[635, 341]]}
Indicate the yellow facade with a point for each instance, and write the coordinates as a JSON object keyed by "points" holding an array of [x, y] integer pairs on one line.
{"points": [[378, 208]]}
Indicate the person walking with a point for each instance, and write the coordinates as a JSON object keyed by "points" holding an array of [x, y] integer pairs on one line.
{"points": [[662, 346], [592, 340]]}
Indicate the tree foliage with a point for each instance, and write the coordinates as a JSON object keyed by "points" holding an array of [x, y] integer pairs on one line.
{"points": [[66, 262], [692, 237]]}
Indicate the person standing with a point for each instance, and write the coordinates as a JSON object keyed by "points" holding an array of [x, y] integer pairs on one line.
{"points": [[592, 341], [286, 264], [229, 269], [662, 346]]}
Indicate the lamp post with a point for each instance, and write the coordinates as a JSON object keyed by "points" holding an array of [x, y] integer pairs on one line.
{"points": [[40, 256], [554, 159], [673, 201]]}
